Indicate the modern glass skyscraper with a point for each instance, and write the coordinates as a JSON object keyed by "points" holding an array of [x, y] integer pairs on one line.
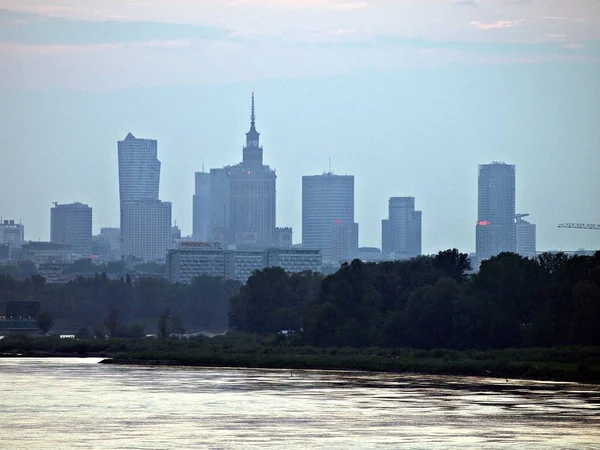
{"points": [[401, 232], [139, 169], [328, 216], [72, 224], [145, 220], [495, 229]]}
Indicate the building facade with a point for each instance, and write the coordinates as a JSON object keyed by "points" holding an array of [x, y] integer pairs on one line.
{"points": [[72, 224], [201, 206], [525, 236], [401, 231], [145, 220], [146, 229], [47, 252], [112, 236], [193, 259], [294, 260], [12, 235], [328, 216], [495, 229]]}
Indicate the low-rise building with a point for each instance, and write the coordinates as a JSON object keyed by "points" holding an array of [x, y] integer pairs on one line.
{"points": [[47, 252], [294, 259], [194, 258]]}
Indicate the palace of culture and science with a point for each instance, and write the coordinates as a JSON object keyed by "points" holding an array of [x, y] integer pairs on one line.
{"points": [[235, 205]]}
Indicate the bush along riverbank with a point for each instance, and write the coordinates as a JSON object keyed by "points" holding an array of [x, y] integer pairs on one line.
{"points": [[581, 364]]}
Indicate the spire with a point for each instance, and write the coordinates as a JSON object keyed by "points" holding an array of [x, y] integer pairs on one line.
{"points": [[252, 117], [252, 136]]}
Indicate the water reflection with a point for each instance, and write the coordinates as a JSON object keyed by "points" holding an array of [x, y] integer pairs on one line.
{"points": [[69, 402]]}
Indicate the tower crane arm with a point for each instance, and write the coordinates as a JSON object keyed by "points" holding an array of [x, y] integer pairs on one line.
{"points": [[584, 226]]}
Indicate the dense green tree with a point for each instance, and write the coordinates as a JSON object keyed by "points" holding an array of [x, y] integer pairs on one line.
{"points": [[429, 312], [453, 264]]}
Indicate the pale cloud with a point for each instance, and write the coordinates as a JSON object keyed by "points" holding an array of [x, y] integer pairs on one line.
{"points": [[495, 25], [562, 19], [74, 43]]}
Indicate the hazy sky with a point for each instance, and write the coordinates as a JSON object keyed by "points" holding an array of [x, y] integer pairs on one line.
{"points": [[407, 95]]}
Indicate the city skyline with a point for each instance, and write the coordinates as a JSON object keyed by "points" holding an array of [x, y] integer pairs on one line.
{"points": [[389, 91]]}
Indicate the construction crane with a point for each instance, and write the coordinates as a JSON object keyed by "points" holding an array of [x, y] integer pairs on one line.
{"points": [[584, 226]]}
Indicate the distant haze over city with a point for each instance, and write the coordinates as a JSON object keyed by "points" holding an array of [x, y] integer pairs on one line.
{"points": [[409, 97]]}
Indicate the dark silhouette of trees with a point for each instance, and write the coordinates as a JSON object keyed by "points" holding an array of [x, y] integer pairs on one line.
{"points": [[426, 302], [165, 326], [453, 264], [433, 302], [112, 322], [45, 322]]}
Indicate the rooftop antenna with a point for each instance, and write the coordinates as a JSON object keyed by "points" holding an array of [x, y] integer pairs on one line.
{"points": [[203, 164], [330, 166]]}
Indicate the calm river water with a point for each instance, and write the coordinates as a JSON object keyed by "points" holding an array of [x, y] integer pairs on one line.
{"points": [[76, 403]]}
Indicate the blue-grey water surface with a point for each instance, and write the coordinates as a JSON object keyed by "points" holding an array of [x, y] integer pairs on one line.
{"points": [[77, 403]]}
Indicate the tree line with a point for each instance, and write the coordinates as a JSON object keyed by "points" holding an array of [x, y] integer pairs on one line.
{"points": [[430, 302], [426, 302], [124, 308]]}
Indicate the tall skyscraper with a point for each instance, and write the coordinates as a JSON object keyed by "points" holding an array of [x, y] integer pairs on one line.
{"points": [[72, 224], [495, 229], [201, 206], [525, 235], [401, 232], [145, 220], [242, 198], [139, 169], [328, 216]]}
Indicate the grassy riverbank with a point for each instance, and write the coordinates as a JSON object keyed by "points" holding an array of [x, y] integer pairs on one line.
{"points": [[237, 350]]}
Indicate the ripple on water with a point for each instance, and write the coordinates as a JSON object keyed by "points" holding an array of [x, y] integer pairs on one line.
{"points": [[70, 402]]}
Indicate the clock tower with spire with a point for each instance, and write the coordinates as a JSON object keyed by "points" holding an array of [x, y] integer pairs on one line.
{"points": [[252, 152]]}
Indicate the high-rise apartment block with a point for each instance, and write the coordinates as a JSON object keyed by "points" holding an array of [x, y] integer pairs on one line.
{"points": [[235, 205], [72, 224], [401, 232], [525, 235], [328, 216], [495, 229], [145, 220], [146, 229]]}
